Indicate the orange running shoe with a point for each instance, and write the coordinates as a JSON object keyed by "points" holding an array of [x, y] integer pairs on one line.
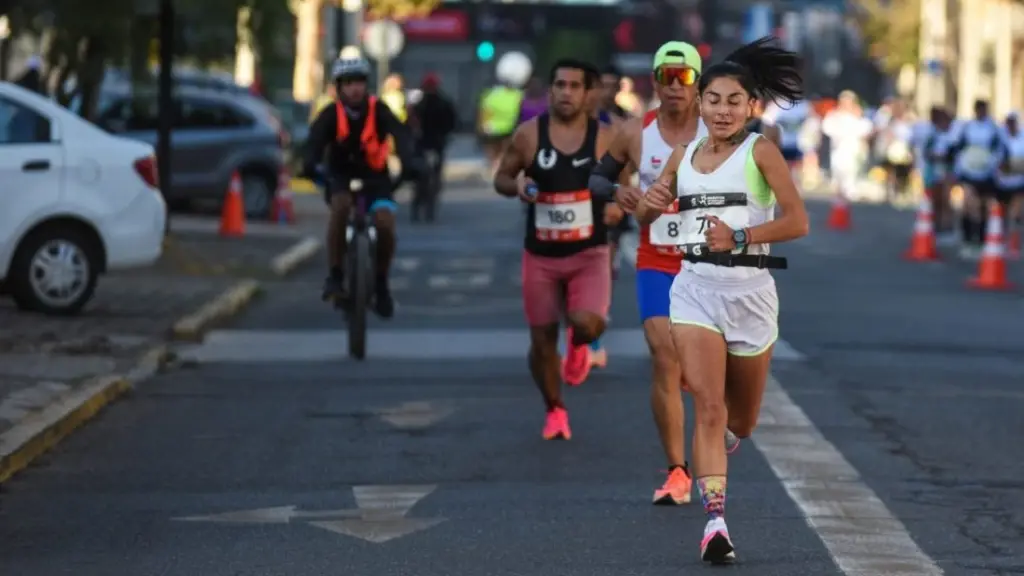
{"points": [[676, 489], [557, 425]]}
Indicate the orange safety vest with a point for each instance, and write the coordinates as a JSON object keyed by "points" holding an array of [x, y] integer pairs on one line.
{"points": [[374, 149]]}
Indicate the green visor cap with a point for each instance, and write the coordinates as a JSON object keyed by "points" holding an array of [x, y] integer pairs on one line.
{"points": [[677, 54]]}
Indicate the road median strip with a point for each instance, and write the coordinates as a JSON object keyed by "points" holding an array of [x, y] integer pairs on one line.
{"points": [[299, 253], [193, 326], [38, 432]]}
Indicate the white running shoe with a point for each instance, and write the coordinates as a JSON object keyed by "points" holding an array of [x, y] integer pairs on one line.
{"points": [[716, 547]]}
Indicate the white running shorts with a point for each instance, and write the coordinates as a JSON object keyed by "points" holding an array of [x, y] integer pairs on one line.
{"points": [[745, 313]]}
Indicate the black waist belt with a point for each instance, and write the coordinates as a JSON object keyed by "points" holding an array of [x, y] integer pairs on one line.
{"points": [[741, 260]]}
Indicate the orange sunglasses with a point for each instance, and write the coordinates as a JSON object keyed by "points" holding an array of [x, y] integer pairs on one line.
{"points": [[665, 75]]}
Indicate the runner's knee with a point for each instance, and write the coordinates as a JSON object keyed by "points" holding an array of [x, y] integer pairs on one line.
{"points": [[665, 364], [586, 326], [710, 410]]}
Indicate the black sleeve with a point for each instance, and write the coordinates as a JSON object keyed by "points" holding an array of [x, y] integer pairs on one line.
{"points": [[322, 132], [391, 125]]}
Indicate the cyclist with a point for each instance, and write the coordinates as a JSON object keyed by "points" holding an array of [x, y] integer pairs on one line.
{"points": [[434, 119], [353, 133]]}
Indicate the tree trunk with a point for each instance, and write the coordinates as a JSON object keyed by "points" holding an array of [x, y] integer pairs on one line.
{"points": [[308, 68]]}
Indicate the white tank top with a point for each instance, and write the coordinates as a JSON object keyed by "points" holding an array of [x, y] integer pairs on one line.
{"points": [[736, 193]]}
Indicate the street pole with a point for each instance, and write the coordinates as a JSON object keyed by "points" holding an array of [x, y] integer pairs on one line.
{"points": [[353, 25], [165, 100], [970, 57], [382, 62], [329, 49], [934, 64]]}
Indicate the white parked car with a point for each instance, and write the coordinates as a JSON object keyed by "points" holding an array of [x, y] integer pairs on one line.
{"points": [[75, 202]]}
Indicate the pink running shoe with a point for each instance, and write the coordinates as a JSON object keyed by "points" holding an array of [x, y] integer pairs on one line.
{"points": [[576, 362], [557, 425], [732, 441], [716, 547]]}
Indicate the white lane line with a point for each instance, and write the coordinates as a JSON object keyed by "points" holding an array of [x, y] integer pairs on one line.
{"points": [[861, 534]]}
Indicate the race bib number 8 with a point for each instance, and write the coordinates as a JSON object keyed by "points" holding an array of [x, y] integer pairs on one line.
{"points": [[667, 229], [564, 216]]}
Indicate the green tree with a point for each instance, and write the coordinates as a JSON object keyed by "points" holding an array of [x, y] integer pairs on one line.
{"points": [[80, 38], [891, 29]]}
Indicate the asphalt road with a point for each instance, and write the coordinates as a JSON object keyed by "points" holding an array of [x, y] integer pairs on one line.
{"points": [[888, 445]]}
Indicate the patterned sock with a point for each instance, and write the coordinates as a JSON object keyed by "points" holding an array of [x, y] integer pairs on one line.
{"points": [[712, 495]]}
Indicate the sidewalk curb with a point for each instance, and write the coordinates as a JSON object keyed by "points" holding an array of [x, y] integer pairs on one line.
{"points": [[40, 431], [231, 301], [298, 254]]}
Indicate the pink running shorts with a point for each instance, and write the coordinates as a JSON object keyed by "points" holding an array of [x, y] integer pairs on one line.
{"points": [[584, 279]]}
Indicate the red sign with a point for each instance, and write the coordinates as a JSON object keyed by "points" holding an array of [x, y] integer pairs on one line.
{"points": [[446, 25], [623, 34]]}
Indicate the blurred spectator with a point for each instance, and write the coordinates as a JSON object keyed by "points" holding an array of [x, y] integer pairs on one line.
{"points": [[32, 77], [627, 98], [535, 100], [392, 95]]}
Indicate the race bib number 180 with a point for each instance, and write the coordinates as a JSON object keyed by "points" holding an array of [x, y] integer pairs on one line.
{"points": [[564, 216]]}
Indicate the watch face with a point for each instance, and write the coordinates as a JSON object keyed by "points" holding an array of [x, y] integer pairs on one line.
{"points": [[739, 236]]}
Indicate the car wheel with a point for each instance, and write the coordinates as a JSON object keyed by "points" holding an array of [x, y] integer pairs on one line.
{"points": [[54, 270], [257, 196]]}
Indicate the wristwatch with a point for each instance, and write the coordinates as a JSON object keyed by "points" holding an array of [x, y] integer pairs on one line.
{"points": [[740, 238]]}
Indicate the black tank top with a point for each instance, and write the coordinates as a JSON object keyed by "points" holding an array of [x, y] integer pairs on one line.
{"points": [[567, 225]]}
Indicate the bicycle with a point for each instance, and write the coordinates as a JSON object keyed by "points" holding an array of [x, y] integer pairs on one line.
{"points": [[361, 237], [428, 188]]}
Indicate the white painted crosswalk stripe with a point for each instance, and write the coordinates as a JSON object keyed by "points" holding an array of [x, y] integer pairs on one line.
{"points": [[441, 344]]}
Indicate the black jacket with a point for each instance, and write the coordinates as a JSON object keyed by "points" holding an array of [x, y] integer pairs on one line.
{"points": [[436, 118], [345, 158]]}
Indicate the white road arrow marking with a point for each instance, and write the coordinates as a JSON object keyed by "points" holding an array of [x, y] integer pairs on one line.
{"points": [[379, 517], [378, 531], [276, 515], [415, 415]]}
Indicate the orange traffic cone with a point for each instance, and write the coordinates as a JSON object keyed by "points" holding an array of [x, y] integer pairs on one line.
{"points": [[283, 210], [922, 244], [839, 217], [232, 216], [992, 268]]}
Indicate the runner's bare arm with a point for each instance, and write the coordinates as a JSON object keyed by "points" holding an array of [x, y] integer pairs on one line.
{"points": [[515, 159], [614, 156], [664, 187], [792, 223]]}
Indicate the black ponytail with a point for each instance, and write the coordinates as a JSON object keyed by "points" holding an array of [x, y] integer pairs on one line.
{"points": [[765, 71]]}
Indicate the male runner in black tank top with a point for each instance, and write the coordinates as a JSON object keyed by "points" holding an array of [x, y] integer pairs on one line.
{"points": [[565, 261]]}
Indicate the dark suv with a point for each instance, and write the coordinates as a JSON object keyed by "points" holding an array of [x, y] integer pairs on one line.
{"points": [[214, 134]]}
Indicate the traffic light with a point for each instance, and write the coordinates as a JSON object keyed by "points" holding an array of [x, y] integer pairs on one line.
{"points": [[485, 51]]}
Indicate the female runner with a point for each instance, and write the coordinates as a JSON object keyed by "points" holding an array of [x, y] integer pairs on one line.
{"points": [[724, 308]]}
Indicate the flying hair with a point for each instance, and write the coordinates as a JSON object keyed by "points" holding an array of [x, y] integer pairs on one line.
{"points": [[766, 71]]}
